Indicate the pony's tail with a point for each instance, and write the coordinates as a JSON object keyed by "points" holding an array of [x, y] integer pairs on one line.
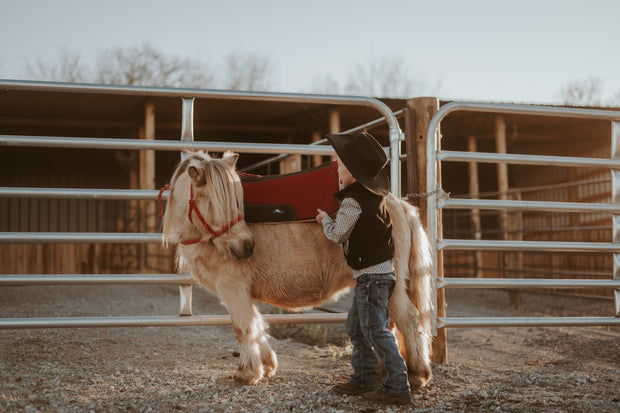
{"points": [[415, 250]]}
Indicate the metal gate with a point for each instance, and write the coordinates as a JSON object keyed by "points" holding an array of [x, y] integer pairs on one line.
{"points": [[438, 200], [185, 281]]}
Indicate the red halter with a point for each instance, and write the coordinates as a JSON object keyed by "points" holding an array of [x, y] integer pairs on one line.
{"points": [[193, 208]]}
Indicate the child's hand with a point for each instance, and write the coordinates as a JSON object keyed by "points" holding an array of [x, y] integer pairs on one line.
{"points": [[321, 214]]}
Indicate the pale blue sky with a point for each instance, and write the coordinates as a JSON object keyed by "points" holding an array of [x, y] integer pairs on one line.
{"points": [[489, 50]]}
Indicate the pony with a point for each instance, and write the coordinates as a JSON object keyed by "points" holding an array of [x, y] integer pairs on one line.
{"points": [[291, 265]]}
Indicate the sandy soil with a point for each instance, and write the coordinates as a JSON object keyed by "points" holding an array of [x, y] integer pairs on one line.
{"points": [[168, 369]]}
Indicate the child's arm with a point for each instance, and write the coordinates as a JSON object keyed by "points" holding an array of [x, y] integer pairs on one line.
{"points": [[340, 229]]}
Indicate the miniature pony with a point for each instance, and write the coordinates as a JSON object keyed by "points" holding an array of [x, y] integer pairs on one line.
{"points": [[290, 265]]}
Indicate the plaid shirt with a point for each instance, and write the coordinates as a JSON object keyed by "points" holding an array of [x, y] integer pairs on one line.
{"points": [[339, 231]]}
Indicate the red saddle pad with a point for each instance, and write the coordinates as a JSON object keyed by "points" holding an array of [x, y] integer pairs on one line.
{"points": [[290, 197]]}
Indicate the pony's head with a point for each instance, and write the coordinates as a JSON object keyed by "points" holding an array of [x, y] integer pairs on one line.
{"points": [[206, 205]]}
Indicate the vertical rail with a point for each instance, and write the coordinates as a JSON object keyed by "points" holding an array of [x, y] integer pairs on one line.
{"points": [[432, 138], [396, 136], [187, 135], [615, 198]]}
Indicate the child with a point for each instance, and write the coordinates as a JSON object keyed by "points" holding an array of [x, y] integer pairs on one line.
{"points": [[363, 226]]}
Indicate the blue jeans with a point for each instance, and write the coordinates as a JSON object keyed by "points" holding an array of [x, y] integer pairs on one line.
{"points": [[368, 327]]}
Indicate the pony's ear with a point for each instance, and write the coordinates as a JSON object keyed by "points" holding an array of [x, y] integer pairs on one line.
{"points": [[197, 175], [230, 158]]}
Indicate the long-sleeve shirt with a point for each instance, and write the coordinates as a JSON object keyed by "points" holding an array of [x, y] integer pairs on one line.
{"points": [[339, 231]]}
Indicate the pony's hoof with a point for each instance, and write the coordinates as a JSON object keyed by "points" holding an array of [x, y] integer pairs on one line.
{"points": [[270, 371], [248, 376], [270, 364], [419, 381]]}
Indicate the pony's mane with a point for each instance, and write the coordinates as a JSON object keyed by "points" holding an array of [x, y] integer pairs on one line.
{"points": [[223, 189], [222, 184]]}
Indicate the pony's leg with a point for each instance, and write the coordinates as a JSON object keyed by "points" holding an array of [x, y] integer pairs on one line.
{"points": [[413, 344], [267, 355], [257, 357]]}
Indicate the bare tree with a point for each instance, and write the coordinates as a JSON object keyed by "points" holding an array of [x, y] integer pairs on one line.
{"points": [[246, 72], [389, 76], [583, 92], [615, 99], [326, 84], [67, 67], [144, 66]]}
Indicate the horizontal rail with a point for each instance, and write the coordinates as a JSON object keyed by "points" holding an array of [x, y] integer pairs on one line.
{"points": [[453, 203], [162, 321], [82, 193], [516, 109], [162, 145], [85, 279], [551, 246], [465, 322], [80, 237], [520, 159], [446, 282], [459, 203], [99, 89]]}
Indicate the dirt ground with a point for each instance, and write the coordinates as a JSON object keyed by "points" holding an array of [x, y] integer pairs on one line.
{"points": [[168, 369]]}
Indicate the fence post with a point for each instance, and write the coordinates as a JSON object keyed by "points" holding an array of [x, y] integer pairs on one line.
{"points": [[615, 189], [187, 135], [146, 178], [474, 190], [334, 124], [420, 111]]}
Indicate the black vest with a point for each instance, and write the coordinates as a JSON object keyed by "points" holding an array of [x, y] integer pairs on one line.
{"points": [[370, 242]]}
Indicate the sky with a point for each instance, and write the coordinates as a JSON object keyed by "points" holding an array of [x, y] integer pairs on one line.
{"points": [[523, 51]]}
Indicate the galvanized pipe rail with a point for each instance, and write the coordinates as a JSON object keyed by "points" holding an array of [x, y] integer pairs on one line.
{"points": [[187, 142], [99, 279], [437, 200], [80, 237], [79, 193], [551, 246], [468, 322], [162, 321], [508, 205], [161, 145], [524, 283], [544, 160]]}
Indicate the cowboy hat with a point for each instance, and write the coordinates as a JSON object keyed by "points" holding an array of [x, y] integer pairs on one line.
{"points": [[364, 158]]}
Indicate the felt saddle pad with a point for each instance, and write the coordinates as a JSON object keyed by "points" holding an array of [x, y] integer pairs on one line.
{"points": [[290, 197]]}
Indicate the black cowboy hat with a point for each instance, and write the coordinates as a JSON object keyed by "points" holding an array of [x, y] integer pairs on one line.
{"points": [[365, 159]]}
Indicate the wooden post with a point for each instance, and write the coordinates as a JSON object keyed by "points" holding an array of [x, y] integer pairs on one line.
{"points": [[134, 206], [334, 121], [147, 177], [420, 111], [334, 124], [316, 159], [291, 163], [502, 170], [474, 191], [511, 260]]}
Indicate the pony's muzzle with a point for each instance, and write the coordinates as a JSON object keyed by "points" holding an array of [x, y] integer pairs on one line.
{"points": [[245, 250]]}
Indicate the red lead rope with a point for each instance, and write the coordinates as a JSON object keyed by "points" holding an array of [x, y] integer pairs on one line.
{"points": [[193, 208]]}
